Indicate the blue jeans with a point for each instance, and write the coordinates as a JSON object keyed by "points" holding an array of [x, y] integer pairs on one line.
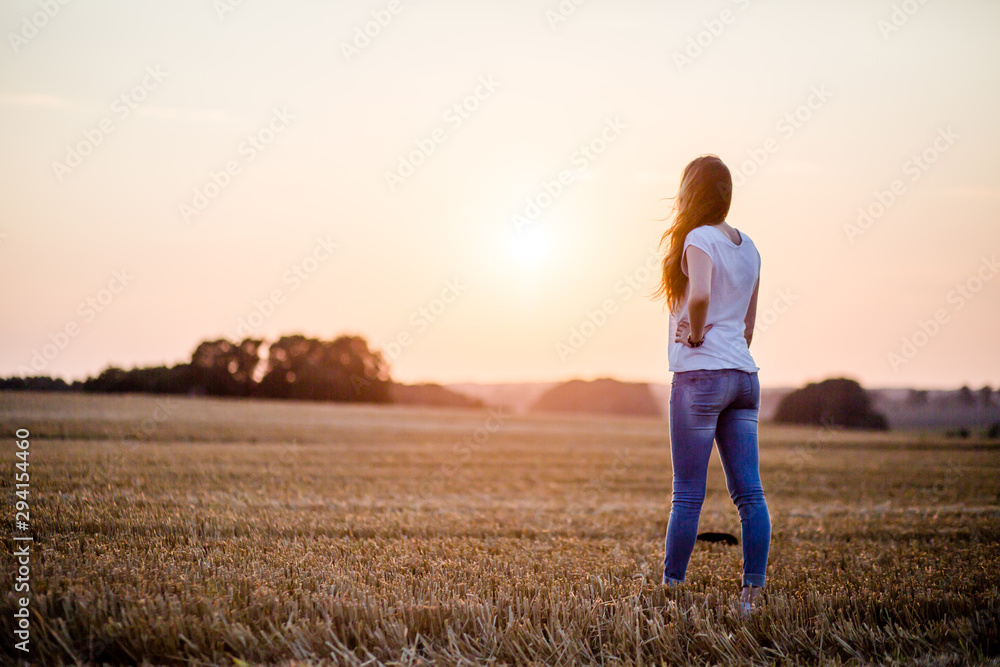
{"points": [[720, 405]]}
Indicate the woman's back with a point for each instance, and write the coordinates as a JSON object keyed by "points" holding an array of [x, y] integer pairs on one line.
{"points": [[735, 270]]}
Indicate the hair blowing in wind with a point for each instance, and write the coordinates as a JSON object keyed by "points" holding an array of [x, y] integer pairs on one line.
{"points": [[703, 198]]}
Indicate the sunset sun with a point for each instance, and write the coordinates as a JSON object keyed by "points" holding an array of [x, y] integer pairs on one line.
{"points": [[530, 245]]}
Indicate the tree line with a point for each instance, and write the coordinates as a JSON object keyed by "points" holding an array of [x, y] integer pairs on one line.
{"points": [[293, 367]]}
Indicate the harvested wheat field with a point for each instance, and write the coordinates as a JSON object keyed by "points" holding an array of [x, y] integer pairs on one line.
{"points": [[200, 531]]}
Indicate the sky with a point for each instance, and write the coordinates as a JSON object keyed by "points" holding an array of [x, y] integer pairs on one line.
{"points": [[478, 188]]}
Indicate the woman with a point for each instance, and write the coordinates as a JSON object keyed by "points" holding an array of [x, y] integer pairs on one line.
{"points": [[710, 280]]}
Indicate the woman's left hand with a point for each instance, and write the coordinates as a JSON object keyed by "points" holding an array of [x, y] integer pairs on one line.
{"points": [[684, 329]]}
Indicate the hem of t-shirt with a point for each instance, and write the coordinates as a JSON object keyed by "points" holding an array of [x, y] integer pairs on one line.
{"points": [[745, 369], [707, 361]]}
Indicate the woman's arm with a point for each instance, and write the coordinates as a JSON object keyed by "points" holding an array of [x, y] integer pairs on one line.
{"points": [[699, 290], [751, 317]]}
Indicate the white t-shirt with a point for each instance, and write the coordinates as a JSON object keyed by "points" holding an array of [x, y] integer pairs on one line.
{"points": [[735, 269]]}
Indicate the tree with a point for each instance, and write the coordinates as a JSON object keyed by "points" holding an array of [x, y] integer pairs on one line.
{"points": [[835, 402], [986, 396], [158, 380], [222, 368], [34, 383], [965, 396], [110, 381], [344, 369]]}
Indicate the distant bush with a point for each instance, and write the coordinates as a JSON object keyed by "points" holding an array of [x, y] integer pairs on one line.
{"points": [[994, 431], [432, 395], [602, 396], [835, 402]]}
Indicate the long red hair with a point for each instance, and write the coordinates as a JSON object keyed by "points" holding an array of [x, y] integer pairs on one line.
{"points": [[703, 198]]}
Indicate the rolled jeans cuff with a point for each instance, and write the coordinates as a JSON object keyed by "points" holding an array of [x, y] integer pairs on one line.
{"points": [[754, 580]]}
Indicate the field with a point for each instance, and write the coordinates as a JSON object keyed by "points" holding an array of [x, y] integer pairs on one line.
{"points": [[176, 530]]}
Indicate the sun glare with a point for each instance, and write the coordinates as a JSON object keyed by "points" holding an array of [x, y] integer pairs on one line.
{"points": [[530, 245]]}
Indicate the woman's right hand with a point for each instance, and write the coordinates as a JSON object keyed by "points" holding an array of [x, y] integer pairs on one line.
{"points": [[684, 329]]}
